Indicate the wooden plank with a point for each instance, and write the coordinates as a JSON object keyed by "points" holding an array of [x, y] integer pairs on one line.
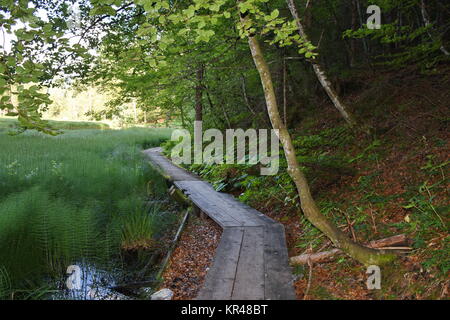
{"points": [[174, 172], [278, 276], [238, 210], [249, 282], [205, 199], [225, 205], [221, 276], [217, 206], [258, 218]]}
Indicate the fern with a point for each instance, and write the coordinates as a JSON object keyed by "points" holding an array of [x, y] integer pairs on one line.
{"points": [[5, 284]]}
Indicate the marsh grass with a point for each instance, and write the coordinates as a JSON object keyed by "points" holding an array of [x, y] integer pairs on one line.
{"points": [[76, 196]]}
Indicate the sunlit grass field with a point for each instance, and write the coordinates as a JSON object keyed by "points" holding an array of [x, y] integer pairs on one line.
{"points": [[9, 124], [70, 197]]}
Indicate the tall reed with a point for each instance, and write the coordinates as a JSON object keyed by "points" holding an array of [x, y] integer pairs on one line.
{"points": [[70, 197]]}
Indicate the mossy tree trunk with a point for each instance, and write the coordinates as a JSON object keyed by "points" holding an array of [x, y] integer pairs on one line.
{"points": [[363, 254]]}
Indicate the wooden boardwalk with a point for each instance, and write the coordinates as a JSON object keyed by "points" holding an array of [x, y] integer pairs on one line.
{"points": [[251, 261]]}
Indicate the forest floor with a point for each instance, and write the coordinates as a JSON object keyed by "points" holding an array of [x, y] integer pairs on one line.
{"points": [[393, 182], [399, 183], [191, 259]]}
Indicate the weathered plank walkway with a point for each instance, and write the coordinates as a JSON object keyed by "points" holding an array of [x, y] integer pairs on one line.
{"points": [[251, 261]]}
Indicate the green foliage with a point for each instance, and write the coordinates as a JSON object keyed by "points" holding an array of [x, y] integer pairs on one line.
{"points": [[415, 43], [33, 58], [429, 215], [279, 190], [5, 284], [140, 225], [144, 52], [366, 152], [439, 259], [149, 51], [428, 218]]}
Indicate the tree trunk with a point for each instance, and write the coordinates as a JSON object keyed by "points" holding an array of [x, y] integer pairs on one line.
{"points": [[354, 27], [321, 76], [340, 240], [361, 23], [427, 23], [183, 122], [227, 122], [199, 94], [135, 111], [284, 92], [247, 102]]}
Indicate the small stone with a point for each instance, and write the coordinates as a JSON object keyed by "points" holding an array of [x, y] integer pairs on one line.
{"points": [[164, 294]]}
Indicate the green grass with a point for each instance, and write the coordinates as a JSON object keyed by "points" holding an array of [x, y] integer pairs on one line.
{"points": [[10, 125], [70, 197]]}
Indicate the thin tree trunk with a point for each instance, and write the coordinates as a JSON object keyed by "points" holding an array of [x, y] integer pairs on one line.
{"points": [[227, 119], [427, 23], [366, 47], [340, 240], [183, 121], [247, 102], [284, 92], [321, 76], [199, 94], [353, 41]]}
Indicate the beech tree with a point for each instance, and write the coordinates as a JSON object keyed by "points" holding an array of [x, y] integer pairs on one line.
{"points": [[363, 254]]}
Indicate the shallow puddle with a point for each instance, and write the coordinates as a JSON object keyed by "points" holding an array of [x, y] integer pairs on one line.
{"points": [[86, 282]]}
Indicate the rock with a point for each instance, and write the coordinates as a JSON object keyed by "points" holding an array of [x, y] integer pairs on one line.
{"points": [[164, 294]]}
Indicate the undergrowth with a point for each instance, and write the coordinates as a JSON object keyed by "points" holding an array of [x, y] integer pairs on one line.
{"points": [[348, 179]]}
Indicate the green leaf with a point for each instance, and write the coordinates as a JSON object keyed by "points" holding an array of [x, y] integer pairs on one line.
{"points": [[275, 14], [102, 10], [190, 12], [201, 24]]}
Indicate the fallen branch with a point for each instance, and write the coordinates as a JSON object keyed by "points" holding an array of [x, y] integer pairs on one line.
{"points": [[169, 253], [386, 243], [397, 248]]}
